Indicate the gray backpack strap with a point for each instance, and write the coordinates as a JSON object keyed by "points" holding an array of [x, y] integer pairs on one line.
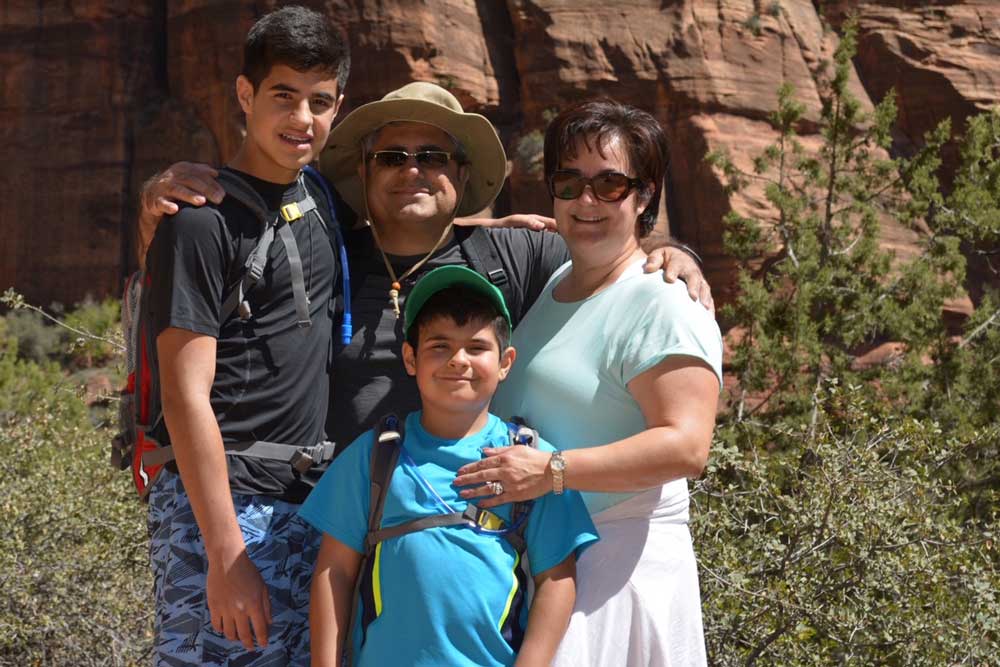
{"points": [[454, 519], [299, 457], [253, 269], [472, 516], [298, 281], [252, 272]]}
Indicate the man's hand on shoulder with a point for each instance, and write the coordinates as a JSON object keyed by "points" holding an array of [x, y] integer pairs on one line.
{"points": [[190, 182], [678, 263], [532, 221]]}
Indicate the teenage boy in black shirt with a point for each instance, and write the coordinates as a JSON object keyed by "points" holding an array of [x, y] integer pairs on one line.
{"points": [[231, 560]]}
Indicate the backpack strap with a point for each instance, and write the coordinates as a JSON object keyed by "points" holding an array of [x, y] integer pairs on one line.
{"points": [[299, 457], [240, 190], [481, 252], [520, 434], [384, 456]]}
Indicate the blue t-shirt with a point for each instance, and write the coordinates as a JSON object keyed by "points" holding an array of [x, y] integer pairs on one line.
{"points": [[442, 596]]}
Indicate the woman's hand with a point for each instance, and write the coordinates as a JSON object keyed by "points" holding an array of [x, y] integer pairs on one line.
{"points": [[523, 472]]}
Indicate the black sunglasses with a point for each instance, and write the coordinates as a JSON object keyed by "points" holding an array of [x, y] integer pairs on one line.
{"points": [[611, 186], [431, 159]]}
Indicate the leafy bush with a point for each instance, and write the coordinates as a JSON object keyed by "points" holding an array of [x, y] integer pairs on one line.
{"points": [[73, 549], [36, 340], [843, 547], [99, 338]]}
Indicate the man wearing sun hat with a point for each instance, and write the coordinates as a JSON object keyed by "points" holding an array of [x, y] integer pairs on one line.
{"points": [[409, 164]]}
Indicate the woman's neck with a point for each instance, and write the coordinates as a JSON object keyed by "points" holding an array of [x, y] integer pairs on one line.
{"points": [[586, 279]]}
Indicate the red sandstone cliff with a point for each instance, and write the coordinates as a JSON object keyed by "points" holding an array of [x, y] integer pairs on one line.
{"points": [[96, 96]]}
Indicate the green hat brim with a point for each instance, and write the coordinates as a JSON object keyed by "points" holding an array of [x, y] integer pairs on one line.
{"points": [[444, 277]]}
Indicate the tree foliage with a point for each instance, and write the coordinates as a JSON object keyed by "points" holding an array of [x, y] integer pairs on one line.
{"points": [[845, 517]]}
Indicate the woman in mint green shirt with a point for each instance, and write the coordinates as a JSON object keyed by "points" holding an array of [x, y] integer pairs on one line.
{"points": [[622, 372]]}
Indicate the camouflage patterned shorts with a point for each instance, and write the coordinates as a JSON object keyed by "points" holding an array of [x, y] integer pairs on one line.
{"points": [[281, 545]]}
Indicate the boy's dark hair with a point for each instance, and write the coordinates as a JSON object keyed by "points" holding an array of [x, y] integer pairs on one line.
{"points": [[597, 121], [462, 305], [299, 38]]}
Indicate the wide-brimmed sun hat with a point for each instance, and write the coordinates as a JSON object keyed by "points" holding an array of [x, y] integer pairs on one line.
{"points": [[418, 102]]}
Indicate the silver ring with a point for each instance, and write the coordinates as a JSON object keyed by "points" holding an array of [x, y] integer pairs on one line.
{"points": [[496, 488]]}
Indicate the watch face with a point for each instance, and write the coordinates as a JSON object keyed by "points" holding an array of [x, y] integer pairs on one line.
{"points": [[558, 463]]}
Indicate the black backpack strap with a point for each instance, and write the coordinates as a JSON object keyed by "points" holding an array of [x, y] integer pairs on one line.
{"points": [[520, 434], [384, 456], [511, 630], [483, 257]]}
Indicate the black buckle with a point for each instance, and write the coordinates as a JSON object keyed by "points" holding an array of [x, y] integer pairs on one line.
{"points": [[497, 277]]}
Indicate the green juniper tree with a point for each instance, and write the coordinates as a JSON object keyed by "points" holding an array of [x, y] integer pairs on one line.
{"points": [[830, 526]]}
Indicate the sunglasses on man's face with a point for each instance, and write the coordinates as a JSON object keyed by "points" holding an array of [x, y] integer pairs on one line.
{"points": [[426, 159], [611, 186]]}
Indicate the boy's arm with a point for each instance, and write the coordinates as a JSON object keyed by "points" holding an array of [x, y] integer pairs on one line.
{"points": [[555, 594], [330, 601], [236, 594]]}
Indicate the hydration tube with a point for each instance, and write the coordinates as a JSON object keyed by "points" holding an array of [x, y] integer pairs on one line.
{"points": [[346, 328]]}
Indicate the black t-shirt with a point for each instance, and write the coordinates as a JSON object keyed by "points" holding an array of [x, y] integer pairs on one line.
{"points": [[369, 379], [272, 377]]}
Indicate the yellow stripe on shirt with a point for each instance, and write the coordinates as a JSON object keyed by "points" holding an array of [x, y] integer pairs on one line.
{"points": [[377, 581], [513, 590]]}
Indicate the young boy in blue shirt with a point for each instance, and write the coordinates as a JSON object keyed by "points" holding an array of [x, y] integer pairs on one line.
{"points": [[445, 595]]}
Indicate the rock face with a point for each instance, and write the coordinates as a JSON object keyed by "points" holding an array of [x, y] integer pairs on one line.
{"points": [[97, 96]]}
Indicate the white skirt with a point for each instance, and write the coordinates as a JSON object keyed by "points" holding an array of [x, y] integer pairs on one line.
{"points": [[637, 597]]}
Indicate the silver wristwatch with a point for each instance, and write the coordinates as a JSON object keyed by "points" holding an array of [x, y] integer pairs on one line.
{"points": [[557, 464]]}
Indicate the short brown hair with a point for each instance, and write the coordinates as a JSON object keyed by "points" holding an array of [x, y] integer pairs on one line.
{"points": [[601, 120]]}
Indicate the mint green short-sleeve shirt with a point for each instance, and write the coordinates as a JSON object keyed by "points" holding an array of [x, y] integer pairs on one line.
{"points": [[575, 360]]}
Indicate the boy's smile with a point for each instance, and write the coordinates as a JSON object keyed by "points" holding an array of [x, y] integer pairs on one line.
{"points": [[457, 369]]}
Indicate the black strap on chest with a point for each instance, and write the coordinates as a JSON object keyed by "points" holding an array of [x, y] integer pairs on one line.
{"points": [[483, 256]]}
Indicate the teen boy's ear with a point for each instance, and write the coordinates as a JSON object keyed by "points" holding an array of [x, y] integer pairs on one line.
{"points": [[244, 93]]}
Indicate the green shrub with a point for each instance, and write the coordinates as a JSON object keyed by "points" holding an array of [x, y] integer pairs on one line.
{"points": [[36, 339], [99, 340], [73, 549], [845, 546]]}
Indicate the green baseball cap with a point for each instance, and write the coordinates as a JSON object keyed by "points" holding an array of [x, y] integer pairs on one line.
{"points": [[450, 276]]}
